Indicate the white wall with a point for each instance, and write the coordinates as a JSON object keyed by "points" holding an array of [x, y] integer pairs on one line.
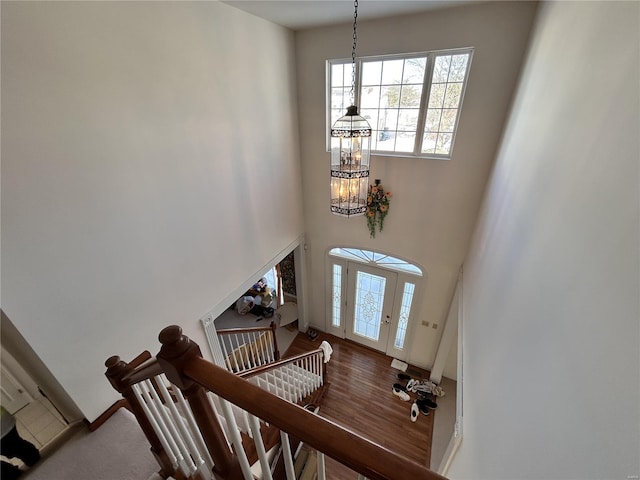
{"points": [[434, 203], [145, 149], [552, 281]]}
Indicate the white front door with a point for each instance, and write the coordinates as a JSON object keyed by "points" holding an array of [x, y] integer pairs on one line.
{"points": [[370, 295]]}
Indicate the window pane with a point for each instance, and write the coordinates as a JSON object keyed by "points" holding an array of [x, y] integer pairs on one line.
{"points": [[338, 99], [458, 67], [443, 144], [337, 294], [337, 72], [414, 70], [390, 96], [389, 118], [410, 95], [405, 142], [433, 120], [436, 97], [392, 72], [371, 116], [386, 141], [348, 75], [405, 311], [452, 95], [371, 73], [429, 143], [408, 119], [370, 97], [368, 305], [441, 69], [448, 120]]}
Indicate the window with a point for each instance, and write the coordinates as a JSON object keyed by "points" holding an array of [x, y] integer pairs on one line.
{"points": [[378, 259], [412, 102]]}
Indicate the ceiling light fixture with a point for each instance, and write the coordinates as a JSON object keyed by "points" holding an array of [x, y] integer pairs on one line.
{"points": [[350, 152]]}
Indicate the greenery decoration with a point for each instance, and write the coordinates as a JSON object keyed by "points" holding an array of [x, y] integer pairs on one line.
{"points": [[377, 207]]}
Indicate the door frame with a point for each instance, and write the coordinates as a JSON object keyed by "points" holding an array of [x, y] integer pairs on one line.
{"points": [[418, 278]]}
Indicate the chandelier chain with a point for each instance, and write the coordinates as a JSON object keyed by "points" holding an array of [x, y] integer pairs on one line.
{"points": [[353, 52]]}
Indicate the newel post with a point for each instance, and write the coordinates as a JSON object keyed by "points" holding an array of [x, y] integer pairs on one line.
{"points": [[117, 370], [176, 351], [276, 352]]}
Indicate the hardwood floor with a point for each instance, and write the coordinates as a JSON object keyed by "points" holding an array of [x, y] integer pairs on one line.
{"points": [[360, 399]]}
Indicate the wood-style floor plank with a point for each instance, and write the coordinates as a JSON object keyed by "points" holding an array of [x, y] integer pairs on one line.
{"points": [[360, 399]]}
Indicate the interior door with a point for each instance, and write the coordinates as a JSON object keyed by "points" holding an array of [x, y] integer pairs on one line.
{"points": [[370, 294], [12, 394]]}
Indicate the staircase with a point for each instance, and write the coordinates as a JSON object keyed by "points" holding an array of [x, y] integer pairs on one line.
{"points": [[204, 422]]}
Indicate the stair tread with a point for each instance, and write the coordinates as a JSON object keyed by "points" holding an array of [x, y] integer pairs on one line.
{"points": [[310, 467]]}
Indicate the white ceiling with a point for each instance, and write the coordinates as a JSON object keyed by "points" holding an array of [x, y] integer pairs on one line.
{"points": [[302, 14]]}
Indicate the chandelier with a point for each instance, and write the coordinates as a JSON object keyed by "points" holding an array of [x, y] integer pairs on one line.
{"points": [[350, 152]]}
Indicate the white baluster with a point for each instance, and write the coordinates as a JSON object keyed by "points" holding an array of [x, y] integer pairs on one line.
{"points": [[186, 435], [288, 458], [321, 470], [254, 423], [236, 440], [188, 466], [156, 427]]}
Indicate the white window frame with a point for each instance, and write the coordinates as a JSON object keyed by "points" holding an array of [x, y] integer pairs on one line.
{"points": [[426, 91]]}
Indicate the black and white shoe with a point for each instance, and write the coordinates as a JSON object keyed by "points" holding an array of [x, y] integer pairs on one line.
{"points": [[427, 400], [399, 391], [414, 412], [424, 407]]}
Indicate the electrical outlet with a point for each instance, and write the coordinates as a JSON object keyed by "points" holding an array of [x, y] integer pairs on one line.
{"points": [[434, 326], [426, 324]]}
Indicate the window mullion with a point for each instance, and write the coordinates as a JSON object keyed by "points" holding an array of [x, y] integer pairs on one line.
{"points": [[426, 91]]}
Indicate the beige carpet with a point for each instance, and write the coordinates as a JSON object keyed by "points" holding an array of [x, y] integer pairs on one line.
{"points": [[118, 450]]}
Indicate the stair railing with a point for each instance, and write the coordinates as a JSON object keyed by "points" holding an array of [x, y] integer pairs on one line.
{"points": [[182, 362], [295, 378], [169, 422], [247, 348]]}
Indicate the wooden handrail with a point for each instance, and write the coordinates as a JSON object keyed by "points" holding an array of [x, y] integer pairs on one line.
{"points": [[187, 367], [145, 372], [227, 331]]}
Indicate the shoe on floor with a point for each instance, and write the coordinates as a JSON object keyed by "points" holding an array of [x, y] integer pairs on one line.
{"points": [[401, 394], [399, 386], [403, 376], [414, 412], [428, 403], [422, 407], [437, 391]]}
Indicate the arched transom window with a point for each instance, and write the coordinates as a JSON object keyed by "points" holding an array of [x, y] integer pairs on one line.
{"points": [[379, 259]]}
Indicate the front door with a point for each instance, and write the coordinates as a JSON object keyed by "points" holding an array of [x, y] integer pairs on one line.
{"points": [[370, 295]]}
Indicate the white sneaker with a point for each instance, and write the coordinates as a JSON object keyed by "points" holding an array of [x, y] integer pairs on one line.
{"points": [[402, 395], [414, 412]]}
